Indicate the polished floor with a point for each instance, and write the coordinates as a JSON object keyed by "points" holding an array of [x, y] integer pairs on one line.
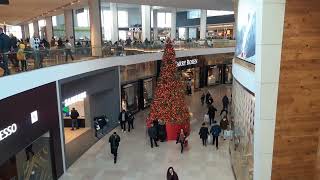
{"points": [[70, 135], [137, 161]]}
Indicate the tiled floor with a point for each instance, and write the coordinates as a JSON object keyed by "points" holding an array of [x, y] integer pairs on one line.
{"points": [[137, 161]]}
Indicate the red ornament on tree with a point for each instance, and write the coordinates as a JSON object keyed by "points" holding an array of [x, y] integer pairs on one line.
{"points": [[169, 103]]}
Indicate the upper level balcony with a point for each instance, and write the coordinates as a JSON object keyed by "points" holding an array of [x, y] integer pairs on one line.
{"points": [[47, 57]]}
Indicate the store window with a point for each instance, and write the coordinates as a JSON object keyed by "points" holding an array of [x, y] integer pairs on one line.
{"points": [[148, 89], [218, 13], [122, 19], [33, 162], [31, 30], [82, 27], [192, 33], [58, 26], [163, 20], [106, 23], [42, 28], [193, 14], [214, 75], [130, 97], [15, 30], [122, 35], [182, 33]]}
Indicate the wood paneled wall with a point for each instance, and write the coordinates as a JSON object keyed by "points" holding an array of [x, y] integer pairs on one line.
{"points": [[296, 146]]}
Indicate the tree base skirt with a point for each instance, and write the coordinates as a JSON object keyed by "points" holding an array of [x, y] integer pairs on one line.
{"points": [[174, 129]]}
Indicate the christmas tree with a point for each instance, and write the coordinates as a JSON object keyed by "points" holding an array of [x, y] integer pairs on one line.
{"points": [[168, 103]]}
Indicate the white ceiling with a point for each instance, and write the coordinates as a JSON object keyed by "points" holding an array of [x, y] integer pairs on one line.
{"points": [[22, 11]]}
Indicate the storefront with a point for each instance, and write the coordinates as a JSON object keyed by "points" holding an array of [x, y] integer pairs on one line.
{"points": [[218, 69], [30, 140], [138, 83], [134, 33], [96, 98]]}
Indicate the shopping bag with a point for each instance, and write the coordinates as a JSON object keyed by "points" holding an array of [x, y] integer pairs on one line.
{"points": [[206, 118], [209, 139]]}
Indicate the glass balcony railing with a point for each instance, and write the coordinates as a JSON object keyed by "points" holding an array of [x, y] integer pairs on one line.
{"points": [[11, 63]]}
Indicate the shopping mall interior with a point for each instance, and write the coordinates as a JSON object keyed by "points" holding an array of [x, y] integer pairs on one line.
{"points": [[223, 89]]}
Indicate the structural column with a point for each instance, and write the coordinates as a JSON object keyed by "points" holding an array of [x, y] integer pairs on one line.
{"points": [[26, 31], [114, 26], [203, 24], [235, 9], [69, 27], [173, 33], [155, 24], [95, 27], [22, 32], [269, 32], [35, 28], [146, 22], [49, 28]]}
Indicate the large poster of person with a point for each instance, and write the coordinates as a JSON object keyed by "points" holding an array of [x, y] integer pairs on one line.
{"points": [[246, 31]]}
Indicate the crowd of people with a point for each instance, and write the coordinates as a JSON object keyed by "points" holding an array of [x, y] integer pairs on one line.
{"points": [[210, 129]]}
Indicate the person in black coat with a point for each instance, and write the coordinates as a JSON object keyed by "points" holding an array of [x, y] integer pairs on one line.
{"points": [[152, 132], [171, 174], [181, 138], [130, 121], [208, 95], [225, 102], [114, 141], [123, 117], [211, 112], [4, 49], [162, 131], [204, 132], [203, 96]]}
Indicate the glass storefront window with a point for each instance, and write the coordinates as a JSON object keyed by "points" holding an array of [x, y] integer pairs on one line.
{"points": [[192, 33], [33, 162], [130, 97], [42, 28], [82, 26], [122, 19], [138, 71], [148, 88], [58, 26], [31, 30], [214, 75]]}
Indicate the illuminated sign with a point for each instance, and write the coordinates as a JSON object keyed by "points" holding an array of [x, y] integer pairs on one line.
{"points": [[8, 131], [135, 29], [187, 62], [76, 98], [34, 117]]}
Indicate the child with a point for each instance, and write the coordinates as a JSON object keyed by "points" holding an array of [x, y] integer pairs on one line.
{"points": [[22, 57]]}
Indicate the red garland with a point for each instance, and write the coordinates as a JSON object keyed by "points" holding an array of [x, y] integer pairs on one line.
{"points": [[169, 103]]}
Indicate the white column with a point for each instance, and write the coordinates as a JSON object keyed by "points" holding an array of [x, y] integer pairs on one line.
{"points": [[95, 27], [155, 24], [146, 22], [49, 28], [23, 32], [203, 24], [269, 28], [35, 28], [68, 22], [173, 24], [114, 25], [26, 31]]}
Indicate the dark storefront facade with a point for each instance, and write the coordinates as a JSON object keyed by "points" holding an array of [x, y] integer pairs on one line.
{"points": [[30, 139], [138, 82], [96, 97]]}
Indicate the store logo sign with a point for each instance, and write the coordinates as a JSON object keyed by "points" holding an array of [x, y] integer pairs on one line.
{"points": [[34, 117], [134, 29], [187, 62], [76, 98], [8, 131]]}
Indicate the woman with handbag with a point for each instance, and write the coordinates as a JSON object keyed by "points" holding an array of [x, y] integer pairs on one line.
{"points": [[224, 123], [181, 138]]}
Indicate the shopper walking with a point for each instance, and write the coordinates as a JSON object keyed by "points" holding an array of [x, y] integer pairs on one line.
{"points": [[162, 130], [123, 117], [171, 174], [212, 113], [215, 131], [204, 132], [130, 121], [152, 132], [74, 118], [181, 138], [4, 51], [208, 95], [203, 96], [35, 45], [21, 56], [13, 50], [225, 102], [224, 123], [68, 51], [114, 141]]}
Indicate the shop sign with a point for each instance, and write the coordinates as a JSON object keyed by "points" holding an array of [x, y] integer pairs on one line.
{"points": [[135, 29], [187, 62], [8, 131], [76, 98], [34, 117]]}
